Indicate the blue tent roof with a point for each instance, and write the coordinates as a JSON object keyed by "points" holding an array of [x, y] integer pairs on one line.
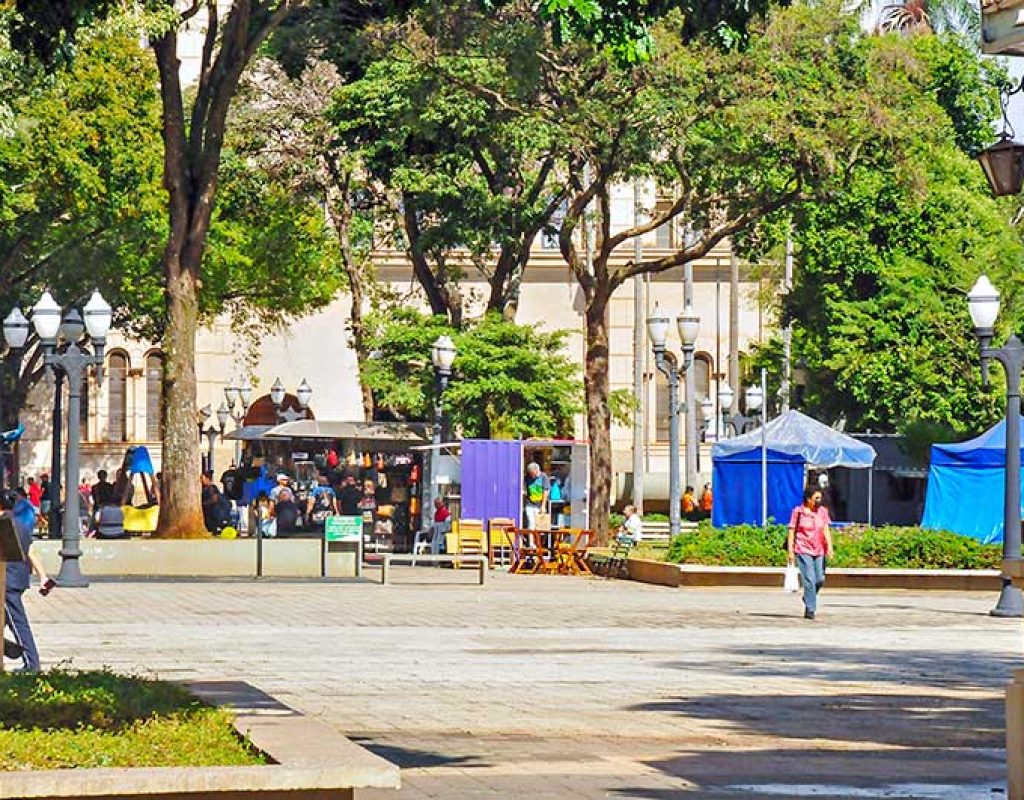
{"points": [[987, 450], [796, 434]]}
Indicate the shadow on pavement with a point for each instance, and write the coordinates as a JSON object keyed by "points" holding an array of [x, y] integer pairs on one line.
{"points": [[885, 719], [410, 758], [945, 669], [920, 773]]}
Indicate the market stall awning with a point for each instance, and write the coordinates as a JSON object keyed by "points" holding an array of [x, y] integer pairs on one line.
{"points": [[248, 433], [368, 432]]}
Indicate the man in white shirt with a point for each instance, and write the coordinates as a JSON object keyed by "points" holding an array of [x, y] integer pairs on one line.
{"points": [[632, 529]]}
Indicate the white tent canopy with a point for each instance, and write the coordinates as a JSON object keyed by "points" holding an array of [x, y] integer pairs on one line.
{"points": [[796, 434]]}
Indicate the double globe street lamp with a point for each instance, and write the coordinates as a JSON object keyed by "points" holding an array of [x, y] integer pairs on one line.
{"points": [[983, 303], [740, 423], [213, 431], [303, 394], [688, 324], [73, 361]]}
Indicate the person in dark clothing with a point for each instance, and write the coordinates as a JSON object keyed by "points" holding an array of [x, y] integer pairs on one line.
{"points": [[349, 497], [286, 511], [103, 491], [18, 573], [216, 508], [232, 482]]}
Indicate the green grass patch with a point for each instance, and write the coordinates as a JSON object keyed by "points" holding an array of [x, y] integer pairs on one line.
{"points": [[859, 546], [64, 719]]}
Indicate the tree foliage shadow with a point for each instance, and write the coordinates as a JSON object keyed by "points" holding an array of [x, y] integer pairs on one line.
{"points": [[945, 669]]}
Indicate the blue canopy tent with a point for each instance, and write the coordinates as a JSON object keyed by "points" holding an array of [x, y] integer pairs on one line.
{"points": [[791, 443], [966, 481]]}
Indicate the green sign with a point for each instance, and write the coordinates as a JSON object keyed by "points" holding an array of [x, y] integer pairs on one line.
{"points": [[343, 529]]}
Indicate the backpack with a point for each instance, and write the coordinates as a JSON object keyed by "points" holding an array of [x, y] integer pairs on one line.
{"points": [[555, 493]]}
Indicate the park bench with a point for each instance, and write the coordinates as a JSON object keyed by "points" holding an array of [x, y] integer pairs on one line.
{"points": [[614, 564], [455, 559]]}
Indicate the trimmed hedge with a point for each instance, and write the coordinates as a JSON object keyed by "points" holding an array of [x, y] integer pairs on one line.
{"points": [[858, 546]]}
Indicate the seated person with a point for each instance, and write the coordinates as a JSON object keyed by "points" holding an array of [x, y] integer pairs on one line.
{"points": [[110, 522], [441, 512], [632, 529]]}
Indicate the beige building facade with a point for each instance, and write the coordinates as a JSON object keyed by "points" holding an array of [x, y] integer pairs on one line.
{"points": [[124, 410]]}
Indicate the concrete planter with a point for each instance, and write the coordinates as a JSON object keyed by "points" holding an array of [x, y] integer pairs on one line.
{"points": [[663, 573], [312, 762], [282, 558]]}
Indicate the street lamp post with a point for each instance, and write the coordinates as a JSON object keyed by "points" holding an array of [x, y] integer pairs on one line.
{"points": [[215, 430], [983, 303], [725, 398], [238, 398], [74, 362], [657, 329], [707, 414], [303, 394], [740, 423], [442, 355], [15, 334]]}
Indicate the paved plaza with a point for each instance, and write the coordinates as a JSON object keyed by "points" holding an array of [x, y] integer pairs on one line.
{"points": [[564, 687]]}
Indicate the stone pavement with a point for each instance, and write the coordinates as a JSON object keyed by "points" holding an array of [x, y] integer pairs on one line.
{"points": [[564, 687]]}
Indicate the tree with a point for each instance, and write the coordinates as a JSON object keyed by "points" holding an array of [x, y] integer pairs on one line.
{"points": [[436, 119], [194, 137], [193, 140], [885, 261], [281, 125], [731, 136], [510, 380]]}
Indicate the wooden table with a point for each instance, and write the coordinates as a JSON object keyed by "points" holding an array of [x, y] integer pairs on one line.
{"points": [[561, 552]]}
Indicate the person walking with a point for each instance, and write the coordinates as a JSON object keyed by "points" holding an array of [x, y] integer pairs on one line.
{"points": [[809, 544], [17, 574]]}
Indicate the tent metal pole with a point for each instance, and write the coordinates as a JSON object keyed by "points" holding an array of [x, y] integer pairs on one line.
{"points": [[871, 487], [764, 449]]}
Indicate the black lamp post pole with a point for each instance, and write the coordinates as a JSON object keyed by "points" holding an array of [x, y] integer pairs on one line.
{"points": [[1011, 356], [54, 517]]}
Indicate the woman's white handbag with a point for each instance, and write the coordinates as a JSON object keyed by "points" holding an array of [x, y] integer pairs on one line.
{"points": [[792, 581]]}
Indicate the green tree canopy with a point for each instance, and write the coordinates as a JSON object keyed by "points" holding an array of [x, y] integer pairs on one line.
{"points": [[880, 317], [509, 380]]}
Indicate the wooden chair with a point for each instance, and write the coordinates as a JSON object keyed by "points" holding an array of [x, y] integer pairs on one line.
{"points": [[500, 531], [527, 551], [471, 539], [579, 552]]}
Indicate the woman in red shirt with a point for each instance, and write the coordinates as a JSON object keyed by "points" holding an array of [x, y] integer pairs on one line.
{"points": [[809, 544]]}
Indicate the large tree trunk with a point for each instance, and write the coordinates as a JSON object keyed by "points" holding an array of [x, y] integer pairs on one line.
{"points": [[599, 421], [181, 515]]}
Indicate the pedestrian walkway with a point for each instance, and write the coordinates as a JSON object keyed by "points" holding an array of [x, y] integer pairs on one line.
{"points": [[566, 687]]}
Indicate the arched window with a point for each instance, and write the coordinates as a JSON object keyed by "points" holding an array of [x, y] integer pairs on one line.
{"points": [[117, 397], [154, 396]]}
